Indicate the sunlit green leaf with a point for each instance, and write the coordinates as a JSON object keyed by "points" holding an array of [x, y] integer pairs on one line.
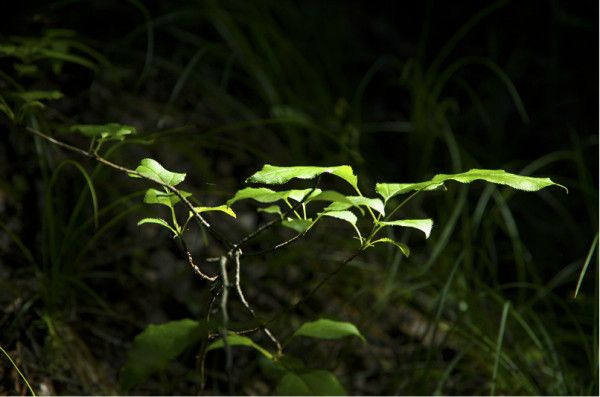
{"points": [[423, 225], [347, 216], [332, 196], [222, 208], [273, 209], [310, 383], [157, 221], [152, 169], [239, 340], [111, 131], [501, 177], [328, 329], [154, 196], [273, 175], [156, 346], [299, 225], [266, 195], [403, 247]]}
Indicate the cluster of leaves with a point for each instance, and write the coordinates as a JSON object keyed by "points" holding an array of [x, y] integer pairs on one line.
{"points": [[157, 345]]}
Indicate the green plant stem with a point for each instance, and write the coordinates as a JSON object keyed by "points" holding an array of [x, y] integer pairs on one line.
{"points": [[18, 371], [585, 265]]}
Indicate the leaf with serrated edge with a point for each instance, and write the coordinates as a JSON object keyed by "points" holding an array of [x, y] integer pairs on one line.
{"points": [[152, 169], [111, 131], [328, 329], [299, 225], [274, 175], [273, 209], [222, 208], [154, 196], [266, 195], [347, 216], [423, 225], [157, 221], [373, 203], [501, 177], [402, 247], [239, 340]]}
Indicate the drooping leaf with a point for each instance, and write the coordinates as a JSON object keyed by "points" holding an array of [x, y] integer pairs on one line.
{"points": [[310, 383], [239, 340], [154, 196], [152, 169], [373, 203], [423, 225], [156, 346], [501, 177], [111, 131], [273, 209], [222, 208], [402, 247], [157, 221], [347, 216], [332, 196], [266, 195], [299, 225], [328, 329], [274, 175]]}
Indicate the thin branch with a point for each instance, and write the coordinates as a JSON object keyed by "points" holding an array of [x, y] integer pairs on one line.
{"points": [[224, 313], [190, 260], [221, 239], [315, 288], [276, 247], [238, 288], [275, 221]]}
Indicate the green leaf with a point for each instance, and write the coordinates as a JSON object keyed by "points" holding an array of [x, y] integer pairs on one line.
{"points": [[156, 346], [223, 208], [273, 209], [373, 203], [152, 169], [111, 131], [299, 225], [423, 225], [310, 383], [239, 340], [273, 175], [328, 329], [403, 247], [501, 177], [154, 196], [157, 221], [266, 195], [332, 196], [347, 216]]}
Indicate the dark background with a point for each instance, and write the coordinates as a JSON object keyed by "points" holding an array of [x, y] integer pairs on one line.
{"points": [[361, 74]]}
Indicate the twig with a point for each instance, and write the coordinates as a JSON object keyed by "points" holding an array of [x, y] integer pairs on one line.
{"points": [[275, 221], [238, 288], [190, 260], [222, 240], [224, 313], [315, 288]]}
